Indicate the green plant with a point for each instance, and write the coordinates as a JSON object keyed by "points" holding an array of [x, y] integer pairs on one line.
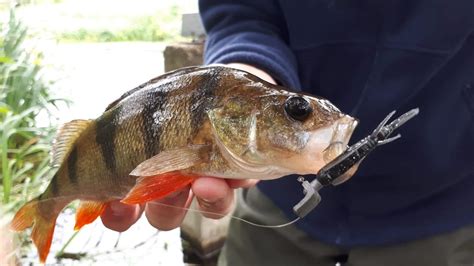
{"points": [[24, 93], [162, 26]]}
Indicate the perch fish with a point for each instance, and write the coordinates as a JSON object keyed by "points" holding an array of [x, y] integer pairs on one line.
{"points": [[159, 137]]}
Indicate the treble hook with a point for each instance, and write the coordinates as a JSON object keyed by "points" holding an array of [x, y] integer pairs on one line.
{"points": [[329, 174]]}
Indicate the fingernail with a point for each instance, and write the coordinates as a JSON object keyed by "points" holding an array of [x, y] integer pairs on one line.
{"points": [[208, 204]]}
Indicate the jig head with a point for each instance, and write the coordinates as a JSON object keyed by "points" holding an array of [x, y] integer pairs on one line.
{"points": [[333, 172]]}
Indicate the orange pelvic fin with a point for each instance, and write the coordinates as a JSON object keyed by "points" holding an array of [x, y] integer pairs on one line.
{"points": [[43, 228], [158, 186], [87, 212]]}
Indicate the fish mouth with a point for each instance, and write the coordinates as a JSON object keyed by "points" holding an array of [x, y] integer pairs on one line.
{"points": [[342, 133], [325, 144]]}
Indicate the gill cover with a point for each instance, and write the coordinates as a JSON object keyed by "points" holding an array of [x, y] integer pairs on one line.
{"points": [[235, 128]]}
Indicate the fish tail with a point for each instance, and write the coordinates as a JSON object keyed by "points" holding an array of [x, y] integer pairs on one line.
{"points": [[43, 227]]}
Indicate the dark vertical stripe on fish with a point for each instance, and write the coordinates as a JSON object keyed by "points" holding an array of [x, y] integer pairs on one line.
{"points": [[105, 136], [203, 97], [71, 166], [54, 186], [46, 201], [155, 102]]}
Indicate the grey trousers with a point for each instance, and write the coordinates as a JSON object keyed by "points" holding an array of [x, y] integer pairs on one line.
{"points": [[249, 245]]}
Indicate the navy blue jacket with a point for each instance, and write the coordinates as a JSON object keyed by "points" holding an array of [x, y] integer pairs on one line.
{"points": [[370, 57]]}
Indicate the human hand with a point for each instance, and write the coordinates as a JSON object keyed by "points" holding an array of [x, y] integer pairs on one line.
{"points": [[215, 198], [256, 71], [214, 195]]}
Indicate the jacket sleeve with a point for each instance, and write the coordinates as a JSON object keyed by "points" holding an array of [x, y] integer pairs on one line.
{"points": [[251, 32]]}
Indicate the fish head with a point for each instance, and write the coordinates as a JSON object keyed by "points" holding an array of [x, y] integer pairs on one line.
{"points": [[279, 132]]}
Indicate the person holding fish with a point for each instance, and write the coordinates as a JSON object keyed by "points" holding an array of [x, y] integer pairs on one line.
{"points": [[411, 204], [205, 131], [408, 205]]}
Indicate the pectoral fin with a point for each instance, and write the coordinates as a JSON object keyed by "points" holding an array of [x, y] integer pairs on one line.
{"points": [[172, 160]]}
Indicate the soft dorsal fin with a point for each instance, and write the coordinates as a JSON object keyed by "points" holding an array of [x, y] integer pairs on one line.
{"points": [[65, 139], [166, 75]]}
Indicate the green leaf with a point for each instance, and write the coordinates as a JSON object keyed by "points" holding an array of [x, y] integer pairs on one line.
{"points": [[24, 93], [6, 60]]}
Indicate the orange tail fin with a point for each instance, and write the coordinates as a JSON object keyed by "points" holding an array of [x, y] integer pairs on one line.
{"points": [[43, 228], [87, 212], [158, 186]]}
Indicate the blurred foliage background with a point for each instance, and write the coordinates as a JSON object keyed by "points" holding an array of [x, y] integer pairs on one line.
{"points": [[32, 96], [104, 20], [24, 93], [24, 146]]}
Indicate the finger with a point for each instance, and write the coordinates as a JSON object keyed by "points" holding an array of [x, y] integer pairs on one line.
{"points": [[168, 213], [242, 183], [214, 196], [256, 71], [119, 217]]}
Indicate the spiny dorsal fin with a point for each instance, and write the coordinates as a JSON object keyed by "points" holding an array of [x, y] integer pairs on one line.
{"points": [[65, 139], [180, 71]]}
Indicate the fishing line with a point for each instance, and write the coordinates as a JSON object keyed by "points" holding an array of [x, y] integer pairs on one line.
{"points": [[230, 216], [200, 211]]}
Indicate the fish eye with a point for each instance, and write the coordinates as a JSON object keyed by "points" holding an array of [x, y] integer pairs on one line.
{"points": [[298, 108]]}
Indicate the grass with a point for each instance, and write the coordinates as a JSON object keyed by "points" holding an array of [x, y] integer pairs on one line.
{"points": [[147, 28], [106, 20], [24, 93], [24, 147]]}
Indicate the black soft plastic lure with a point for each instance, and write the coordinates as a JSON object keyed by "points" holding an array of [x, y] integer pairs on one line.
{"points": [[337, 171]]}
